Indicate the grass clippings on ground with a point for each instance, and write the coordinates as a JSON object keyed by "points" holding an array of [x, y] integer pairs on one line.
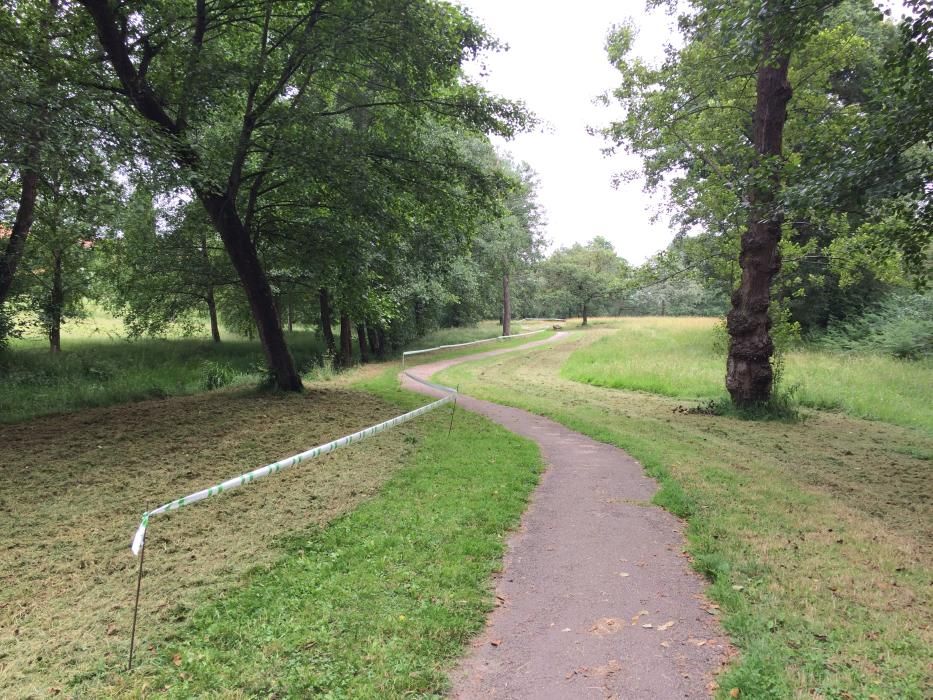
{"points": [[72, 489]]}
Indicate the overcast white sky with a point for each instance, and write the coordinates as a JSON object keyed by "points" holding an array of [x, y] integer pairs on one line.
{"points": [[557, 65]]}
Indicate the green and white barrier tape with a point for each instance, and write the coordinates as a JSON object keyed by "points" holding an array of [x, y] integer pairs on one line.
{"points": [[276, 467], [472, 342]]}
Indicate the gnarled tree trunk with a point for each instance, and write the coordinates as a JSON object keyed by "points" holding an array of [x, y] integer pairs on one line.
{"points": [[749, 376]]}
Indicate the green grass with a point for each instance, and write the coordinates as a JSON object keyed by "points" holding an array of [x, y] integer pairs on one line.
{"points": [[96, 372], [815, 535], [99, 366], [378, 603], [677, 357]]}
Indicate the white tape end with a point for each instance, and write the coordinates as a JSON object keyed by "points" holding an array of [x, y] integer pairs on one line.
{"points": [[138, 539]]}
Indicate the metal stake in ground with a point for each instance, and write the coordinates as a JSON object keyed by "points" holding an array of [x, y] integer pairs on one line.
{"points": [[453, 409], [139, 583]]}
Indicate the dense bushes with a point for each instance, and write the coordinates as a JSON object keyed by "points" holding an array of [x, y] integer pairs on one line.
{"points": [[901, 325]]}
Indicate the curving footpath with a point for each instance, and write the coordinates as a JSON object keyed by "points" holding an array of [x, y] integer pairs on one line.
{"points": [[596, 599]]}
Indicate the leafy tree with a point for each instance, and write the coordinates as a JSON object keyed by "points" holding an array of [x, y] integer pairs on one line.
{"points": [[235, 92], [512, 240], [162, 275], [583, 274], [746, 163]]}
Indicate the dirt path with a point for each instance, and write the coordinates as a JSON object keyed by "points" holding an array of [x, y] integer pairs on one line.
{"points": [[596, 599]]}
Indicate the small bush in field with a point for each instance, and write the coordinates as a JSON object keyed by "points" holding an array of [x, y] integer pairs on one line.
{"points": [[216, 375]]}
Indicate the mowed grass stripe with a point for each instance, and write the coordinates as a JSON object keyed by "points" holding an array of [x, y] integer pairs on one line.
{"points": [[816, 535], [678, 357], [380, 602]]}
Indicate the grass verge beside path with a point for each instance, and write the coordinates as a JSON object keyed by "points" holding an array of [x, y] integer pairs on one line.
{"points": [[379, 603], [817, 536], [384, 576], [676, 357]]}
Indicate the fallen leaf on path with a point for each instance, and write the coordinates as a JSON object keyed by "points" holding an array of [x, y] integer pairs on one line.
{"points": [[606, 625], [665, 644], [623, 574], [496, 642], [647, 625], [667, 625], [698, 642], [734, 693]]}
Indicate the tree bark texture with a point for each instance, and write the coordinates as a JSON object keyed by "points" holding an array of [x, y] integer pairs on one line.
{"points": [[361, 340], [327, 321], [346, 340], [506, 306], [584, 313], [56, 304], [749, 376]]}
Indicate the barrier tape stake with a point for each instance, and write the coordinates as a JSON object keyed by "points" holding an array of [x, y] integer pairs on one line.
{"points": [[453, 409], [139, 584]]}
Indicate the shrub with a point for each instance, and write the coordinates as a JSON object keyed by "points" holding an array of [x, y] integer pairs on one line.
{"points": [[901, 325], [215, 375]]}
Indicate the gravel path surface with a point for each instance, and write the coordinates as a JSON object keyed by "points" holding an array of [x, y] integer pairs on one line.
{"points": [[596, 599]]}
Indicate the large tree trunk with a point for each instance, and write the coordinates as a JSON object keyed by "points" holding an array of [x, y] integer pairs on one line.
{"points": [[346, 340], [749, 376], [382, 345], [245, 261], [327, 321], [28, 182], [25, 212], [56, 304], [584, 313], [506, 306], [361, 340]]}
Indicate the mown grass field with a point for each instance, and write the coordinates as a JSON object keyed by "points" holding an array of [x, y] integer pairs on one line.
{"points": [[679, 357], [361, 574], [816, 535]]}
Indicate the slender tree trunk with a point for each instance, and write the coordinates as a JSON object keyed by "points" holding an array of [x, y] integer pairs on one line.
{"points": [[506, 306], [212, 313], [346, 340], [361, 340], [327, 321], [381, 342], [419, 318], [245, 261], [584, 315], [56, 304], [209, 297], [749, 375], [373, 337]]}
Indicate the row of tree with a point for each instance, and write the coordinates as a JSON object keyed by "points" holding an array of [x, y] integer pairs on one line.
{"points": [[257, 156]]}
